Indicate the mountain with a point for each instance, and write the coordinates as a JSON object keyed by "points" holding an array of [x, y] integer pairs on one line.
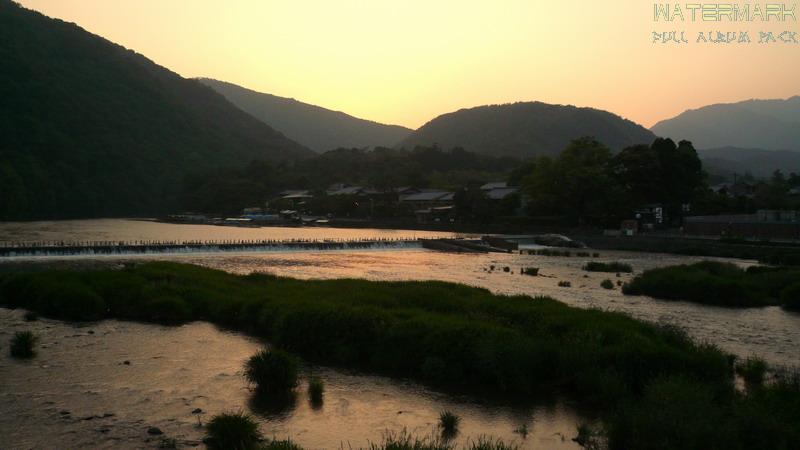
{"points": [[313, 126], [526, 129], [726, 161], [766, 124], [90, 128]]}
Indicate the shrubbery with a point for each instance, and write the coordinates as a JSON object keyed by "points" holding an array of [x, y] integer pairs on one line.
{"points": [[272, 371], [232, 431], [448, 422], [22, 344], [316, 388], [790, 297], [594, 266], [716, 283], [464, 338]]}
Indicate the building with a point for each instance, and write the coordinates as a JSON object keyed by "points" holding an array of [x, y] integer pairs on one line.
{"points": [[650, 216], [740, 188], [428, 198], [438, 214], [498, 190], [765, 224], [295, 194]]}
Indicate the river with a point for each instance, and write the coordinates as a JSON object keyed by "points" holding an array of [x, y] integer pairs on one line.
{"points": [[83, 374]]}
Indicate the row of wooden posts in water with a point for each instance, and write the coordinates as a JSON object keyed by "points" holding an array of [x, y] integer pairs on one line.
{"points": [[147, 246]]}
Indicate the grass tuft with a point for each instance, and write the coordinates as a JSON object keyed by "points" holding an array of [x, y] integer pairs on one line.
{"points": [[753, 369], [272, 370], [405, 441], [607, 284], [488, 443], [232, 431], [790, 297], [448, 422], [286, 444], [22, 344], [588, 437], [316, 388]]}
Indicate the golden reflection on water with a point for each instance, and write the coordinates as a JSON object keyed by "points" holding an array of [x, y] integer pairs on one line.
{"points": [[79, 393]]}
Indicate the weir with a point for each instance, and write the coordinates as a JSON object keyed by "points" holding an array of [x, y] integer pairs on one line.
{"points": [[91, 248]]}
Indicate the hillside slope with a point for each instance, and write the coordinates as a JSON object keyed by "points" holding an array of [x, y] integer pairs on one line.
{"points": [[313, 126], [526, 129], [766, 124], [92, 129], [726, 161]]}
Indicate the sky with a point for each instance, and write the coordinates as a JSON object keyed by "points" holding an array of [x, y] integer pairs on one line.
{"points": [[406, 61]]}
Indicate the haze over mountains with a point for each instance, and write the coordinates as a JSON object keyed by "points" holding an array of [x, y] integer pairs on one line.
{"points": [[526, 129], [764, 124], [90, 128], [317, 128], [727, 161]]}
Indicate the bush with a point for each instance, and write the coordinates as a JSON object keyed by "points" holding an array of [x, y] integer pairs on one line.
{"points": [[715, 283], [22, 344], [752, 370], [169, 310], [532, 271], [611, 267], [564, 284], [682, 412], [232, 431], [587, 437], [69, 299], [607, 284], [31, 316], [316, 387], [448, 422], [272, 371], [790, 297]]}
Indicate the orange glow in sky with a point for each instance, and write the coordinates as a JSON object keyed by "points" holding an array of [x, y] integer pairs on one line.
{"points": [[407, 61]]}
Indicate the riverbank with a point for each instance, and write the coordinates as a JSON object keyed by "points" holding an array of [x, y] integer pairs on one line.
{"points": [[766, 252], [447, 335]]}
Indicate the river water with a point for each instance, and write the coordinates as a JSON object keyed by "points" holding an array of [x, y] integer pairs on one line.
{"points": [[168, 382], [79, 393]]}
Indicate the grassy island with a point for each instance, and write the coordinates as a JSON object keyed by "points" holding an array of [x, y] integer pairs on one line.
{"points": [[654, 387], [721, 284]]}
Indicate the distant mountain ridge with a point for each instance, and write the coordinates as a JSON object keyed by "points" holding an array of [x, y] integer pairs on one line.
{"points": [[726, 161], [316, 127], [90, 128], [763, 124], [526, 129]]}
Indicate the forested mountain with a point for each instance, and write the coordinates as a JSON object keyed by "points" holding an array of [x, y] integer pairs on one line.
{"points": [[727, 161], [765, 124], [526, 129], [89, 128], [313, 126]]}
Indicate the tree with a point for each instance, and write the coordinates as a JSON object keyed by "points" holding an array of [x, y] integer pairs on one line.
{"points": [[577, 185], [660, 173]]}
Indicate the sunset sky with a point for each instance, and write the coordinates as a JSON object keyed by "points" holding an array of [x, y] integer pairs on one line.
{"points": [[407, 61]]}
